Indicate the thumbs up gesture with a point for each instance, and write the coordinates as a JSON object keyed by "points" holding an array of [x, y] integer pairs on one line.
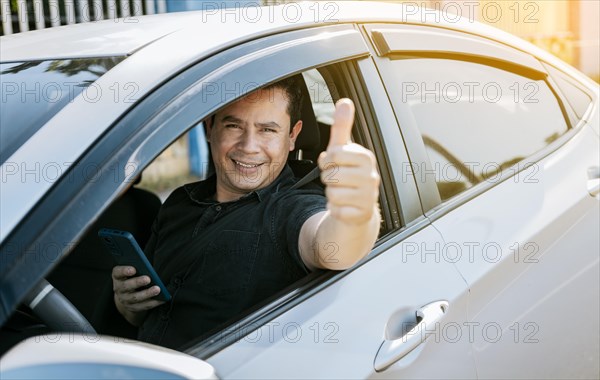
{"points": [[349, 171]]}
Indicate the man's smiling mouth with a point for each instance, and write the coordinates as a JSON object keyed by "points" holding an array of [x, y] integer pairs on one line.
{"points": [[247, 165]]}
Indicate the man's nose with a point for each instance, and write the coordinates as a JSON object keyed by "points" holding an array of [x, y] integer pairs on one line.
{"points": [[249, 142]]}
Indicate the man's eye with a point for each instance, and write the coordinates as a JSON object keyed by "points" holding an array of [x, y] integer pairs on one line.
{"points": [[270, 130], [231, 126]]}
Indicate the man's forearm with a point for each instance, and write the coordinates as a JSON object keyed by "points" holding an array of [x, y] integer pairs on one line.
{"points": [[345, 233], [339, 245]]}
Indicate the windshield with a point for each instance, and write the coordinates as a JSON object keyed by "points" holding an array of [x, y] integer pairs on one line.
{"points": [[33, 92]]}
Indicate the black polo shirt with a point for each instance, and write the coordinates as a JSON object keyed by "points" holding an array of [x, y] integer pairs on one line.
{"points": [[218, 259]]}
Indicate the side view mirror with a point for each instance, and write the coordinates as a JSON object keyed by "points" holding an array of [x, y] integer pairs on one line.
{"points": [[89, 356]]}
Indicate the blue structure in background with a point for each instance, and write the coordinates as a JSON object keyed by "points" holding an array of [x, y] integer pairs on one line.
{"points": [[194, 5], [198, 147]]}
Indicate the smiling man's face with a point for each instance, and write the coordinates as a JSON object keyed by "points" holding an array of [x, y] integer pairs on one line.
{"points": [[250, 141]]}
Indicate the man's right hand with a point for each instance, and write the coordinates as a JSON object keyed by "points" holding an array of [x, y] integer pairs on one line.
{"points": [[132, 302]]}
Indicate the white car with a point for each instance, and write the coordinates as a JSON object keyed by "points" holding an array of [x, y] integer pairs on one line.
{"points": [[487, 265]]}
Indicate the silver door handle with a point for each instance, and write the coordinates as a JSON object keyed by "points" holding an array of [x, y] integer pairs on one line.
{"points": [[395, 349], [593, 183]]}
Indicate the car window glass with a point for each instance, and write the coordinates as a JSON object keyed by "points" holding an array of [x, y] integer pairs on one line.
{"points": [[184, 161], [33, 92], [576, 96], [475, 120]]}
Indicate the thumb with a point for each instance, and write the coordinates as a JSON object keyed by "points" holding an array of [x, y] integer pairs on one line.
{"points": [[343, 119]]}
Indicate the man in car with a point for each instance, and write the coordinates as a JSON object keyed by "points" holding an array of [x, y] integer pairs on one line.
{"points": [[226, 243]]}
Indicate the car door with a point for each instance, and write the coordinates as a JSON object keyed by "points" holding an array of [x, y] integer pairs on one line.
{"points": [[389, 316], [362, 322], [504, 178], [392, 313]]}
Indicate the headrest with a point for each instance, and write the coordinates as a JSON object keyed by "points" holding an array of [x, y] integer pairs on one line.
{"points": [[309, 138]]}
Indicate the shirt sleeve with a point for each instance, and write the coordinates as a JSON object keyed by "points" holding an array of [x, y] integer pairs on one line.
{"points": [[292, 211]]}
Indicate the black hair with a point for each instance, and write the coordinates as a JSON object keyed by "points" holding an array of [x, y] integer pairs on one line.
{"points": [[292, 88]]}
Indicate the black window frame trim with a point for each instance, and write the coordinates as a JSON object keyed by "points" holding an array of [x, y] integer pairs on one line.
{"points": [[349, 83], [58, 217]]}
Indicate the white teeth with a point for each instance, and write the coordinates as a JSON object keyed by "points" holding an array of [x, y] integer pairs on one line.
{"points": [[246, 165]]}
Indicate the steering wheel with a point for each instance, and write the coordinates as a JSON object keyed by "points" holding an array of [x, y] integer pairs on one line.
{"points": [[55, 310]]}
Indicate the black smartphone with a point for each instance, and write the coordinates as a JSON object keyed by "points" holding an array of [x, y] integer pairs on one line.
{"points": [[126, 251]]}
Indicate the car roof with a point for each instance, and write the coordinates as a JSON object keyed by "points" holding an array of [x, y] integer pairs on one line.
{"points": [[126, 35], [104, 38]]}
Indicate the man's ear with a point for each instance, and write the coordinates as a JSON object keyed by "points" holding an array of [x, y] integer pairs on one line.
{"points": [[294, 134], [208, 124]]}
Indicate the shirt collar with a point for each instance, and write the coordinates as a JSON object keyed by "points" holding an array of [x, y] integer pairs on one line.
{"points": [[201, 192]]}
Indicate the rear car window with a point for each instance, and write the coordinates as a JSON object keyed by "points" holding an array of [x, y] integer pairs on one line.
{"points": [[33, 92], [476, 121]]}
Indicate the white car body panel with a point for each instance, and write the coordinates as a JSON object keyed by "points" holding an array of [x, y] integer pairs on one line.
{"points": [[594, 123], [546, 225], [358, 307]]}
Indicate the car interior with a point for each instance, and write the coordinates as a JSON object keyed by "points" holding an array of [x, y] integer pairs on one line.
{"points": [[84, 276]]}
